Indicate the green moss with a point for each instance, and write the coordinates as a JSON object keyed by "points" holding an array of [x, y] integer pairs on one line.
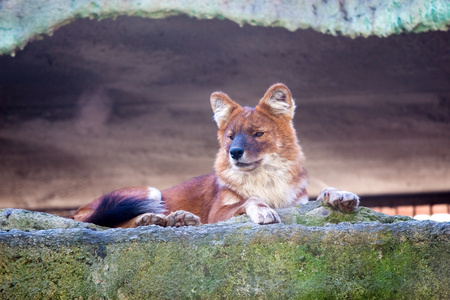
{"points": [[41, 273], [321, 269], [371, 260], [385, 272]]}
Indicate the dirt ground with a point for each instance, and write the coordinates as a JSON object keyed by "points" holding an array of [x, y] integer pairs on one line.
{"points": [[125, 102]]}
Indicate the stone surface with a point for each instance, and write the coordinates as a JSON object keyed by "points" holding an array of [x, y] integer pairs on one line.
{"points": [[364, 260], [22, 21], [26, 220], [314, 213]]}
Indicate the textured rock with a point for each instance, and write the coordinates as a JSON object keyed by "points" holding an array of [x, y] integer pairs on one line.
{"points": [[22, 21], [314, 213], [26, 220], [364, 260]]}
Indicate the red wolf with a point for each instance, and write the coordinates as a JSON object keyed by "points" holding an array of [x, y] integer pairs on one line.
{"points": [[259, 168]]}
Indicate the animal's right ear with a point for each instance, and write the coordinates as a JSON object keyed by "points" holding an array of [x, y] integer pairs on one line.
{"points": [[222, 107], [278, 101]]}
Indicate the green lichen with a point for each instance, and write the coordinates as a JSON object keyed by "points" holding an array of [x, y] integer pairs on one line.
{"points": [[21, 22]]}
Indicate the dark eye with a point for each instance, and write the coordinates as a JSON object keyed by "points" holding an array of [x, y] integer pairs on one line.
{"points": [[258, 134], [231, 137]]}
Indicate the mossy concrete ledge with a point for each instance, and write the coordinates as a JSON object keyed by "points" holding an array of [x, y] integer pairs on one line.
{"points": [[386, 258], [22, 21]]}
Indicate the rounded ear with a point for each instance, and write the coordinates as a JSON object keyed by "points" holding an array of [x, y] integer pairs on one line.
{"points": [[222, 107], [278, 101]]}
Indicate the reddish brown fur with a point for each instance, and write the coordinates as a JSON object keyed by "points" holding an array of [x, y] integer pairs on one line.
{"points": [[269, 174]]}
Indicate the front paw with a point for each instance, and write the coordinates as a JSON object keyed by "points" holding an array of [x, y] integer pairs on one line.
{"points": [[261, 213], [345, 201], [266, 215]]}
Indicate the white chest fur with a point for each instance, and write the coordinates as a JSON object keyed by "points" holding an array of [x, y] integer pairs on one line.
{"points": [[271, 182]]}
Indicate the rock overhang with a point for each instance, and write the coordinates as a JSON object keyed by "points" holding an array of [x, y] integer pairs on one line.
{"points": [[22, 22]]}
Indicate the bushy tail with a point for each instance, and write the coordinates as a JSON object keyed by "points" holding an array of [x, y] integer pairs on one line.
{"points": [[120, 206]]}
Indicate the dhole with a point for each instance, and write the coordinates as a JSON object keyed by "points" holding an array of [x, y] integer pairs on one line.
{"points": [[259, 168]]}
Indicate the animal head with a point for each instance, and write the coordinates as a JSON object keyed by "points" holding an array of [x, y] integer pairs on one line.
{"points": [[251, 138]]}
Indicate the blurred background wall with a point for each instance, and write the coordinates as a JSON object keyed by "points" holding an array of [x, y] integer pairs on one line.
{"points": [[106, 104]]}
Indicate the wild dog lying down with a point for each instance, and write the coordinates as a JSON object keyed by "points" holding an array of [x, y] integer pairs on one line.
{"points": [[259, 168]]}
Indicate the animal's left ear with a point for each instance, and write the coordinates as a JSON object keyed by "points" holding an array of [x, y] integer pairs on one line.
{"points": [[278, 101]]}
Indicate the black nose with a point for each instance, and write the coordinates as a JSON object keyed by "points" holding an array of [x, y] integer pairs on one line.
{"points": [[236, 153]]}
